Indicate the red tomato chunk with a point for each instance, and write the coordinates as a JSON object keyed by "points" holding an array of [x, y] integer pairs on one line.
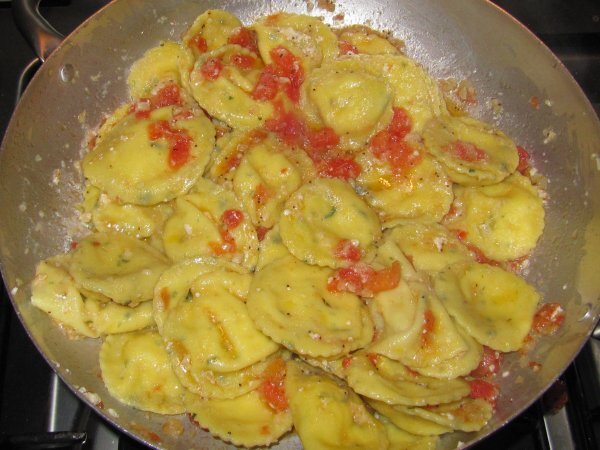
{"points": [[548, 319], [347, 250], [272, 387], [246, 38], [363, 280], [489, 364], [232, 218], [180, 142], [211, 69]]}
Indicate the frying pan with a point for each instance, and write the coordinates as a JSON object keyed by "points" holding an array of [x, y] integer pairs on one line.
{"points": [[85, 78]]}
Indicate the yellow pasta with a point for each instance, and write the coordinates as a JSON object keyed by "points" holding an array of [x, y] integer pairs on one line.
{"points": [[494, 306], [128, 164], [289, 302], [245, 420], [327, 414], [137, 371], [380, 378], [117, 266], [504, 220], [288, 220], [472, 152], [320, 215]]}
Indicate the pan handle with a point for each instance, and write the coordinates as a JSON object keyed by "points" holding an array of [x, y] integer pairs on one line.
{"points": [[42, 36]]}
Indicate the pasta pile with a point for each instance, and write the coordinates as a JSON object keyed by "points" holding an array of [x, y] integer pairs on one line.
{"points": [[294, 227]]}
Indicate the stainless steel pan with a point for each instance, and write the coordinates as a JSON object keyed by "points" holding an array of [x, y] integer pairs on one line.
{"points": [[84, 78]]}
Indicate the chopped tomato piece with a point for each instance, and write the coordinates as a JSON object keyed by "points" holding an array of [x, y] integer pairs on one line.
{"points": [[373, 358], [466, 151], [165, 297], [548, 319], [267, 86], [485, 390], [227, 244], [289, 127], [524, 159], [385, 279], [261, 195], [166, 96], [272, 387], [347, 250], [428, 326], [179, 151], [232, 218], [387, 146], [287, 65], [346, 362], [199, 43], [347, 48], [180, 142], [243, 61], [211, 69], [323, 139], [401, 123], [261, 232], [534, 101], [344, 168], [363, 280], [489, 364], [246, 38]]}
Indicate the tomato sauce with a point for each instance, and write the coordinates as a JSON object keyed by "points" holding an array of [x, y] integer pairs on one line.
{"points": [[363, 280], [548, 319], [489, 364], [272, 386], [180, 142], [389, 144], [347, 250], [466, 151], [245, 37], [211, 69]]}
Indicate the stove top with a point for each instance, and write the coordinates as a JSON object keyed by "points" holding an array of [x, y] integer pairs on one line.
{"points": [[29, 390]]}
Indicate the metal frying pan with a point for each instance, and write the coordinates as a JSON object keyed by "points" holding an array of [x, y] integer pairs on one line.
{"points": [[84, 78]]}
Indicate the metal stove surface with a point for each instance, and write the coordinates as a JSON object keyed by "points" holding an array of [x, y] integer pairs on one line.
{"points": [[33, 400]]}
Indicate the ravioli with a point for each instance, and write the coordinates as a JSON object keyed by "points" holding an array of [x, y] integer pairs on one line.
{"points": [[198, 301], [417, 330], [211, 30], [377, 377], [264, 180], [430, 247], [289, 302], [468, 414], [54, 292], [327, 414], [422, 194], [136, 370], [494, 306], [245, 420], [158, 64], [117, 266], [354, 103], [412, 423], [473, 152], [504, 220], [210, 221], [321, 214], [402, 440], [224, 90], [127, 163], [306, 37], [134, 220], [365, 40]]}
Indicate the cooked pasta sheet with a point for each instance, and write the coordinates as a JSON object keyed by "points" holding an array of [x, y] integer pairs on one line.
{"points": [[289, 228]]}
